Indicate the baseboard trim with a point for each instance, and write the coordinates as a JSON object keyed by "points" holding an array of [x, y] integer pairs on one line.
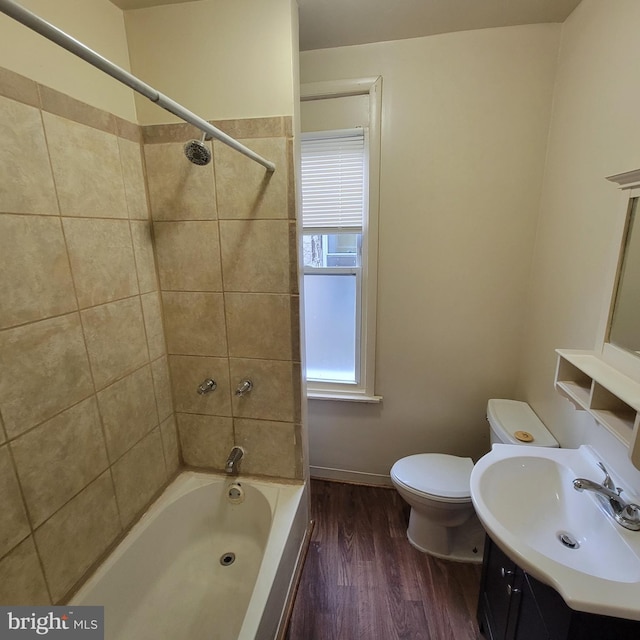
{"points": [[353, 477]]}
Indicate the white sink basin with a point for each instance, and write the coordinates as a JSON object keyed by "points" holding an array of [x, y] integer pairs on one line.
{"points": [[527, 503]]}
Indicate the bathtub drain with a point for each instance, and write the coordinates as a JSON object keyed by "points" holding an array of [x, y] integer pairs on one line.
{"points": [[227, 558], [235, 493]]}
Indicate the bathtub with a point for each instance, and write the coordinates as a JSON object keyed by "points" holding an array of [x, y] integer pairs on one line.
{"points": [[209, 561]]}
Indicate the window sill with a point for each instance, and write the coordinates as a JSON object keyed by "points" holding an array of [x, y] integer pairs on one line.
{"points": [[343, 397]]}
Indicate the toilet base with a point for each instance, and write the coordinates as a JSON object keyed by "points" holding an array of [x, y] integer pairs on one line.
{"points": [[464, 543]]}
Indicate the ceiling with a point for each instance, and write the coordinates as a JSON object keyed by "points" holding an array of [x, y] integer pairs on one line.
{"points": [[143, 4], [336, 23]]}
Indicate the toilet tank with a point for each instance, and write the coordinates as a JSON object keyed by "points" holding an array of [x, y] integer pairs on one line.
{"points": [[514, 422]]}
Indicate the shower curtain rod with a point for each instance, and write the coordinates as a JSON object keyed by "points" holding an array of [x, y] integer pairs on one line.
{"points": [[44, 28]]}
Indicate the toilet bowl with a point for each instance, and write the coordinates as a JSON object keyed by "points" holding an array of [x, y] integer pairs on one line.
{"points": [[436, 485]]}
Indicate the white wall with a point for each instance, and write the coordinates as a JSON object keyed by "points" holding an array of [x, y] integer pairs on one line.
{"points": [[97, 24], [465, 121], [594, 133], [219, 58]]}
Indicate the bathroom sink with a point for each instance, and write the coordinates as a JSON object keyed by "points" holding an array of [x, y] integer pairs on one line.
{"points": [[565, 538]]}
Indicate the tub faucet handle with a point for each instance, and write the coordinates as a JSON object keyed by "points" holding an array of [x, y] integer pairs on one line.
{"points": [[244, 387], [207, 386]]}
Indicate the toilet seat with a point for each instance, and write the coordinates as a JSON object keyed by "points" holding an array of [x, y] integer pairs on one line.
{"points": [[438, 476]]}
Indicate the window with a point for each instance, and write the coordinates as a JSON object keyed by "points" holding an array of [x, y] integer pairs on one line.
{"points": [[339, 244], [333, 208]]}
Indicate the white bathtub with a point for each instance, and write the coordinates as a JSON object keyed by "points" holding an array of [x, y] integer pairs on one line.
{"points": [[165, 580]]}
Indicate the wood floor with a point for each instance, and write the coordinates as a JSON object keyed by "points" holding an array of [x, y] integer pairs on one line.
{"points": [[362, 580]]}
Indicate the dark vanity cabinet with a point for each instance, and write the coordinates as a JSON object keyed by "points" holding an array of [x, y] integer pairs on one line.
{"points": [[515, 606]]}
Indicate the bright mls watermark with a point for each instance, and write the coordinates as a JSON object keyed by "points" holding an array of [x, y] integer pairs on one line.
{"points": [[53, 623]]}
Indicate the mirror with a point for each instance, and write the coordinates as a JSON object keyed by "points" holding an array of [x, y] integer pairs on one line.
{"points": [[624, 330]]}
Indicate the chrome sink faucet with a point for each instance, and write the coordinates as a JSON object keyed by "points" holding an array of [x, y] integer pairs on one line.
{"points": [[626, 514], [232, 466]]}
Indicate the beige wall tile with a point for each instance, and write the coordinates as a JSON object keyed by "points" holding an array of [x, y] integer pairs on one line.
{"points": [[170, 445], [21, 579], [26, 181], [296, 340], [61, 104], [293, 263], [188, 256], [178, 189], [35, 280], [14, 525], [180, 132], [133, 174], [143, 250], [256, 255], [194, 323], [139, 475], [101, 256], [86, 168], [162, 386], [299, 452], [75, 536], [188, 373], [205, 440], [269, 447], [269, 127], [261, 325], [129, 131], [59, 458], [272, 396], [116, 340], [46, 361], [292, 205], [246, 189], [20, 88], [152, 312], [128, 411]]}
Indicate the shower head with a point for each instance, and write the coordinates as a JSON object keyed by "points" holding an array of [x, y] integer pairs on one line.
{"points": [[197, 151]]}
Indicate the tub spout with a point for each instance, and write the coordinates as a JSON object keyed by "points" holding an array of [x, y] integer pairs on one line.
{"points": [[233, 461]]}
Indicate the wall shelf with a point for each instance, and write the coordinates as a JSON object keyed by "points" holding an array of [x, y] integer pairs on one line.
{"points": [[611, 397]]}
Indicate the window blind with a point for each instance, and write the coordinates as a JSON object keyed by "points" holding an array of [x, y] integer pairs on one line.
{"points": [[333, 181]]}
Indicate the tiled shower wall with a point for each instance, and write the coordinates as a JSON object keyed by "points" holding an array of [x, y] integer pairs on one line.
{"points": [[87, 426], [88, 432], [226, 250]]}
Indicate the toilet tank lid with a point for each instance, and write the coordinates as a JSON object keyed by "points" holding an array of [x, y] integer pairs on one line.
{"points": [[509, 416], [436, 474]]}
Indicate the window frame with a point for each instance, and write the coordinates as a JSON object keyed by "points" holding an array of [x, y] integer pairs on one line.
{"points": [[364, 391]]}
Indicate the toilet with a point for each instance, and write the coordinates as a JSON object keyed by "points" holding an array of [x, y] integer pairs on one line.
{"points": [[437, 486]]}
